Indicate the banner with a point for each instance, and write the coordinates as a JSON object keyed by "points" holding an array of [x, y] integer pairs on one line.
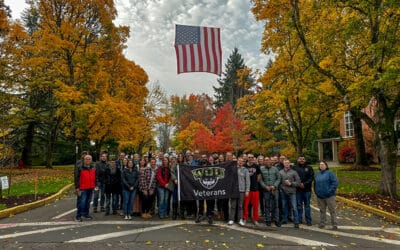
{"points": [[208, 182]]}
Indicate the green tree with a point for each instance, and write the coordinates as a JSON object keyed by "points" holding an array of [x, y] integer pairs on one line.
{"points": [[233, 86]]}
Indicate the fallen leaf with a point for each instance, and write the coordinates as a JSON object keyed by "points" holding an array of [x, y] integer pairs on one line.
{"points": [[148, 242], [188, 241], [206, 241], [259, 245]]}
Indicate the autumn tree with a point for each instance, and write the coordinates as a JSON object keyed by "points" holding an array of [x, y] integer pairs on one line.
{"points": [[227, 131], [354, 44], [185, 139], [235, 82], [197, 108]]}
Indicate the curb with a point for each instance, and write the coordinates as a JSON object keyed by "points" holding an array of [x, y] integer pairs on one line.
{"points": [[375, 211], [10, 212]]}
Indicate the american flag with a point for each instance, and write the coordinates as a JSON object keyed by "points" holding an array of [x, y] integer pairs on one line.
{"points": [[198, 49]]}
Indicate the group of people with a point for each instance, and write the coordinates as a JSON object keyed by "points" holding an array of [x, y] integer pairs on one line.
{"points": [[270, 186]]}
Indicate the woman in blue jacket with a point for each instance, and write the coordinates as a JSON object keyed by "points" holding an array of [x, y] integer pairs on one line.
{"points": [[325, 186]]}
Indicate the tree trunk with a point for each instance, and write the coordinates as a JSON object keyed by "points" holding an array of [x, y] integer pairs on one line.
{"points": [[387, 154], [27, 150], [387, 150], [361, 162]]}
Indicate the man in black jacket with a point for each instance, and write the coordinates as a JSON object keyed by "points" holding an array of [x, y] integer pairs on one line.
{"points": [[303, 192], [101, 167]]}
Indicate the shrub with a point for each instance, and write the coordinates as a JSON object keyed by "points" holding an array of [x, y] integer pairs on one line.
{"points": [[347, 154]]}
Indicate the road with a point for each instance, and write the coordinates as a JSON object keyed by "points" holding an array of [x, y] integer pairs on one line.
{"points": [[53, 227]]}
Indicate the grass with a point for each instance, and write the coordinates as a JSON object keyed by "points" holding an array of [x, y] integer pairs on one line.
{"points": [[47, 181], [351, 182]]}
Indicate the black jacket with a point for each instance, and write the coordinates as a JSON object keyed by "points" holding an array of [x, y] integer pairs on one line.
{"points": [[306, 174]]}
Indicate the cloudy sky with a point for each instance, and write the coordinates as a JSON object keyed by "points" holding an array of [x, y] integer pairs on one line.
{"points": [[152, 26]]}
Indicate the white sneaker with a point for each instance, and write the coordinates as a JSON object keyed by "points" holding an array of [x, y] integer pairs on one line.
{"points": [[126, 217], [129, 217], [242, 222], [230, 222]]}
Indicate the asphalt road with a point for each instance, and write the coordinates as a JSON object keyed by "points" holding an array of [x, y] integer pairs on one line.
{"points": [[53, 227]]}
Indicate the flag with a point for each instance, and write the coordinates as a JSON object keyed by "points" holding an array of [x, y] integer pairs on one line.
{"points": [[208, 182], [198, 49]]}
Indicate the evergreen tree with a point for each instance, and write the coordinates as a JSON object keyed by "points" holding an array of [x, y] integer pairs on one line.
{"points": [[231, 87]]}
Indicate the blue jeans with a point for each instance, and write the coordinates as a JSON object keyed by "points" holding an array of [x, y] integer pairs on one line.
{"points": [[83, 203], [271, 199], [303, 197], [289, 199], [96, 195], [128, 197], [163, 194], [113, 202]]}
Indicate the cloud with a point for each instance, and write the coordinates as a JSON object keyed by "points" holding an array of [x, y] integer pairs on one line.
{"points": [[152, 31], [152, 26]]}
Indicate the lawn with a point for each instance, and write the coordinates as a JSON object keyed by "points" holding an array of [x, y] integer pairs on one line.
{"points": [[35, 180]]}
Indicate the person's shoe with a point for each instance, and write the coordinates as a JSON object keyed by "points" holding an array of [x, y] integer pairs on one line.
{"points": [[230, 223], [242, 222], [277, 224], [334, 228], [296, 225], [126, 217], [290, 219], [268, 223], [148, 216], [115, 212], [198, 219], [256, 223], [210, 219], [102, 209], [129, 217], [88, 217], [309, 224], [321, 226], [78, 219], [94, 210]]}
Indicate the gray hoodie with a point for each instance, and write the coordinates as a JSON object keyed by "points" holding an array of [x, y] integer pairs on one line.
{"points": [[244, 179], [291, 176]]}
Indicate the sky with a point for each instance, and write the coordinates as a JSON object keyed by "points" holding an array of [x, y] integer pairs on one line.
{"points": [[152, 34]]}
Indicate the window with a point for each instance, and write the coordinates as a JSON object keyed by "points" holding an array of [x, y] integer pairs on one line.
{"points": [[348, 125]]}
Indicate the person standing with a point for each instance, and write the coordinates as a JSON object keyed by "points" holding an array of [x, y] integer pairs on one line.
{"points": [[303, 191], [253, 197], [85, 183], [163, 188], [112, 187], [325, 187], [130, 181], [244, 190], [269, 182], [101, 168], [147, 185], [290, 181]]}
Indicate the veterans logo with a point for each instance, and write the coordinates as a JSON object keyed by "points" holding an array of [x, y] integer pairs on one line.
{"points": [[208, 176]]}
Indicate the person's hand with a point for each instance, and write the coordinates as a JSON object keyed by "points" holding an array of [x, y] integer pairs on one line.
{"points": [[268, 188], [145, 192], [96, 189], [246, 194], [131, 188], [151, 192], [301, 185], [176, 182]]}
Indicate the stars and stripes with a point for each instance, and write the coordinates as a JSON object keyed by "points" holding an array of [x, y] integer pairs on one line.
{"points": [[198, 49]]}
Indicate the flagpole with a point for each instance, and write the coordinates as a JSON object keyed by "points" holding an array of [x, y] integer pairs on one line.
{"points": [[179, 184]]}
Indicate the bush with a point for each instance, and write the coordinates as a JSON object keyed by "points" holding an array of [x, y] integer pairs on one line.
{"points": [[347, 154]]}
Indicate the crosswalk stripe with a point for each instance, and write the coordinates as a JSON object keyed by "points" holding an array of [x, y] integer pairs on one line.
{"points": [[123, 233]]}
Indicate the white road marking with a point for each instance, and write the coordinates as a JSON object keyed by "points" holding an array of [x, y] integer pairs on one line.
{"points": [[357, 236], [123, 233], [63, 214], [279, 236], [13, 235]]}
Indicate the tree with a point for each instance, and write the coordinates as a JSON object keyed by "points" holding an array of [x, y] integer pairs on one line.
{"points": [[227, 131], [236, 81], [185, 139], [197, 108], [354, 44]]}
